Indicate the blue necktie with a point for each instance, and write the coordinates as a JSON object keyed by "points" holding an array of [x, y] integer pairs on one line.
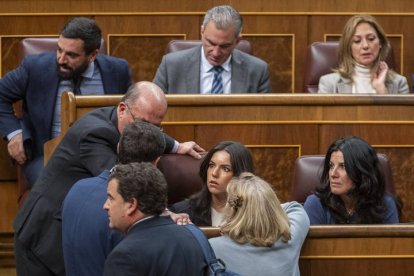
{"points": [[217, 87], [77, 84]]}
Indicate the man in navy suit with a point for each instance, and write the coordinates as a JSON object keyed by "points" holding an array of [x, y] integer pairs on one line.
{"points": [[86, 241], [153, 244], [40, 80]]}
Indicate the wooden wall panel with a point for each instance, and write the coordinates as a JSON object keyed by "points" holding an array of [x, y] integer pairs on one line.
{"points": [[8, 205], [142, 52], [28, 6], [278, 52], [275, 165], [7, 170], [9, 53], [400, 158]]}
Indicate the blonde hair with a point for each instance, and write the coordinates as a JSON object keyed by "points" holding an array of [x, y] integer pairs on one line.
{"points": [[345, 60], [254, 214]]}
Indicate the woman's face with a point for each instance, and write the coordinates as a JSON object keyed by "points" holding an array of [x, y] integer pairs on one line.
{"points": [[219, 173], [339, 181], [365, 44]]}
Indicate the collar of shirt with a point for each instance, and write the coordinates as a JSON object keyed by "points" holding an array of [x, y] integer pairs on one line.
{"points": [[88, 73], [138, 221], [206, 66]]}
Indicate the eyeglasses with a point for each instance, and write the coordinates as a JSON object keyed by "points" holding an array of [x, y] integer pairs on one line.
{"points": [[140, 119]]}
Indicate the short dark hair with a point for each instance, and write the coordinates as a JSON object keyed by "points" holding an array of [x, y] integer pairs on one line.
{"points": [[85, 29], [140, 142], [144, 182], [363, 168]]}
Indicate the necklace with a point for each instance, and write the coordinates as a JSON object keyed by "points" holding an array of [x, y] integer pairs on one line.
{"points": [[350, 211]]}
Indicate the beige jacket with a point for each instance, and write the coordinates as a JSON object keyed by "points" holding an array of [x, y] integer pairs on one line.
{"points": [[334, 83]]}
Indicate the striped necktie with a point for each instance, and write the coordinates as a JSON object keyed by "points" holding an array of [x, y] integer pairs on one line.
{"points": [[217, 87]]}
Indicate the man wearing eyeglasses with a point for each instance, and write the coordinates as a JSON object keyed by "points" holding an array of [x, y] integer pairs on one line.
{"points": [[88, 148]]}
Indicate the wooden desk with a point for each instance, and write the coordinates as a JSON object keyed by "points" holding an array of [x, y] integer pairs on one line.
{"points": [[278, 128], [355, 250]]}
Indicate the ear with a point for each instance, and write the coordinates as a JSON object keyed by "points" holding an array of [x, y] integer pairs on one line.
{"points": [[238, 39], [132, 206], [202, 30], [155, 162], [122, 108], [92, 56]]}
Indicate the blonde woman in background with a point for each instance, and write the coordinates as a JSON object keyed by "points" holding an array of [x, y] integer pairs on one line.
{"points": [[260, 236], [362, 51]]}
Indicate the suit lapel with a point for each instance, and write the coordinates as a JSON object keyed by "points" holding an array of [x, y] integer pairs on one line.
{"points": [[192, 64], [49, 88], [238, 73], [108, 75], [344, 86]]}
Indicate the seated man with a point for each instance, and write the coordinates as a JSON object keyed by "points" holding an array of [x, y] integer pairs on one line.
{"points": [[88, 148], [40, 81], [153, 245], [87, 242], [215, 67]]}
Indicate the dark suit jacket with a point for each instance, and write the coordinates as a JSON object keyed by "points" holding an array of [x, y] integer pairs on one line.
{"points": [[88, 148], [179, 73], [87, 238], [158, 247], [36, 82]]}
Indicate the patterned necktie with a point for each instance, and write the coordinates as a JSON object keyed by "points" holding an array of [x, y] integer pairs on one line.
{"points": [[217, 87]]}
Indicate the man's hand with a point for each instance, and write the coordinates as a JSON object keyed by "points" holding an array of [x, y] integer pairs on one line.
{"points": [[16, 150], [190, 148], [180, 219]]}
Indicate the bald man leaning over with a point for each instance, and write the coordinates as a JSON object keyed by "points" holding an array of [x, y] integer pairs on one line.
{"points": [[88, 148]]}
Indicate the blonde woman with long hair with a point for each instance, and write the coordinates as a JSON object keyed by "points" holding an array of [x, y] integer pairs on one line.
{"points": [[362, 51], [260, 236]]}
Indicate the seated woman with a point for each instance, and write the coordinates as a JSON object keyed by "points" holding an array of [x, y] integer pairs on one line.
{"points": [[363, 48], [221, 163], [352, 187], [260, 236]]}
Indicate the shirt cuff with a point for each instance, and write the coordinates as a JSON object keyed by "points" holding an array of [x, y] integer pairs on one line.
{"points": [[175, 147], [14, 133]]}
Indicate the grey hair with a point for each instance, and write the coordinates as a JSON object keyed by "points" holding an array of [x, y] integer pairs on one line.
{"points": [[224, 16]]}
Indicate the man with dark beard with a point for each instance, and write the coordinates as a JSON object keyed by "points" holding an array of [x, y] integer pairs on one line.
{"points": [[40, 80]]}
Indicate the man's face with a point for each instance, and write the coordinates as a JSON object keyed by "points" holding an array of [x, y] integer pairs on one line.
{"points": [[71, 60], [116, 207], [218, 44]]}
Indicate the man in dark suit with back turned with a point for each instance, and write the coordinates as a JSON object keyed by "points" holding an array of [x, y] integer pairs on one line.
{"points": [[40, 80], [215, 67], [153, 245], [88, 148], [87, 242]]}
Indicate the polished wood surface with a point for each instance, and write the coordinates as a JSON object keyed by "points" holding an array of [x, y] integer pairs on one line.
{"points": [[327, 250], [354, 249]]}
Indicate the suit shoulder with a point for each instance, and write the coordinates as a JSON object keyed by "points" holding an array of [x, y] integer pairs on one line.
{"points": [[112, 60], [178, 55], [42, 58], [249, 58], [331, 77]]}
